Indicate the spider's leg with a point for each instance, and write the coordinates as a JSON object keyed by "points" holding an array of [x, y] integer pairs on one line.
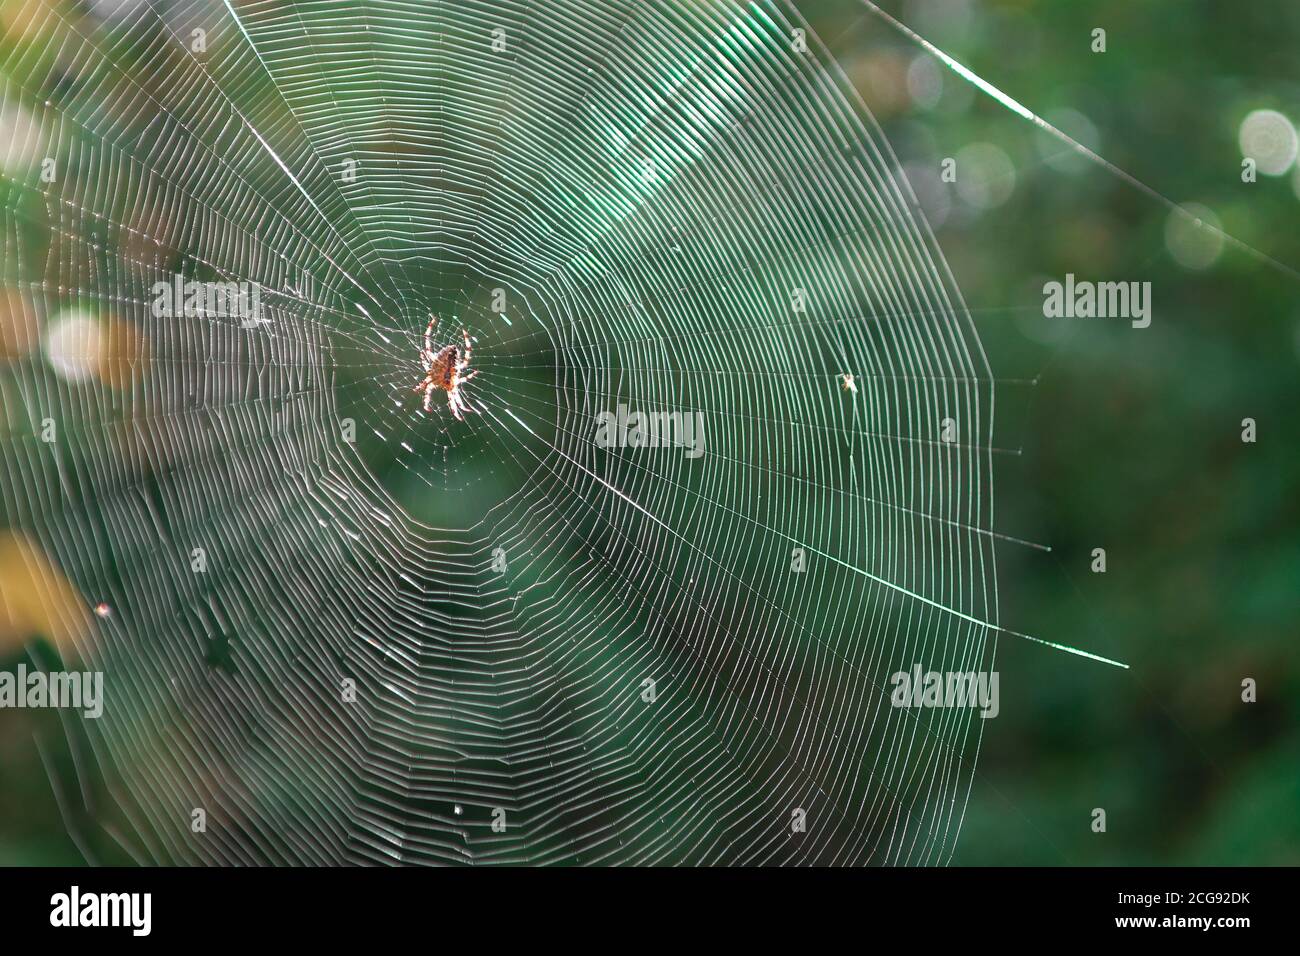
{"points": [[428, 399], [466, 378], [428, 335], [465, 362]]}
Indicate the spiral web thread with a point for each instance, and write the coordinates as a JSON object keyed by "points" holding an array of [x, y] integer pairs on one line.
{"points": [[650, 182]]}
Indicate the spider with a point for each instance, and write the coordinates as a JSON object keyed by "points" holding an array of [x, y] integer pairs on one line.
{"points": [[442, 369]]}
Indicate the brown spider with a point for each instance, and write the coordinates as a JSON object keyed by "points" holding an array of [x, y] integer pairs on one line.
{"points": [[442, 369]]}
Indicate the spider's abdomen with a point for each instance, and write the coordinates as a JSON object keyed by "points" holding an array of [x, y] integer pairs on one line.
{"points": [[444, 366]]}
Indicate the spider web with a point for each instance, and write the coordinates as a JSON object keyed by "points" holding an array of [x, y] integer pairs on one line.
{"points": [[561, 652]]}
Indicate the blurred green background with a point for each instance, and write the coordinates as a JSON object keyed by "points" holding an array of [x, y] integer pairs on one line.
{"points": [[1131, 439], [1124, 439]]}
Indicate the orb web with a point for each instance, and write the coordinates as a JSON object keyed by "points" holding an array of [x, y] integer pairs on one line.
{"points": [[350, 631]]}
